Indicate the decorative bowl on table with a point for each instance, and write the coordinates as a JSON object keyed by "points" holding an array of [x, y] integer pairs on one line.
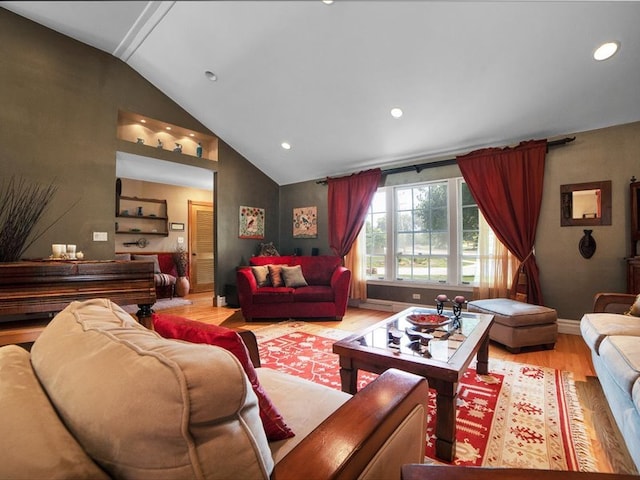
{"points": [[428, 320]]}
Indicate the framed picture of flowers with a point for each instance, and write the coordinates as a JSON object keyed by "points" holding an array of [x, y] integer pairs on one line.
{"points": [[305, 222], [251, 222]]}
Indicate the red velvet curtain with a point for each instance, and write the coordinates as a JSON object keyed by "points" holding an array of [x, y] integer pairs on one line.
{"points": [[507, 185], [349, 200]]}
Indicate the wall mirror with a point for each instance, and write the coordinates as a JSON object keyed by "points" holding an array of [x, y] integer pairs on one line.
{"points": [[585, 204]]}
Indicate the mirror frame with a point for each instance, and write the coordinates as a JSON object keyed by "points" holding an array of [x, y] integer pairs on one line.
{"points": [[566, 201]]}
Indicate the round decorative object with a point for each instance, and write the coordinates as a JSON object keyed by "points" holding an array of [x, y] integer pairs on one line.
{"points": [[182, 286], [587, 245], [429, 320]]}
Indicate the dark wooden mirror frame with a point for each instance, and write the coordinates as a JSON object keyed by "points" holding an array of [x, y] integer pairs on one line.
{"points": [[566, 202]]}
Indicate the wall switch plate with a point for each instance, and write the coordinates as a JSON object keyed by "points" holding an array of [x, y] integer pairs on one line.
{"points": [[180, 239], [416, 296], [100, 237]]}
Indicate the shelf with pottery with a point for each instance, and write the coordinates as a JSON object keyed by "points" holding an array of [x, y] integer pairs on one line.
{"points": [[145, 136], [141, 216]]}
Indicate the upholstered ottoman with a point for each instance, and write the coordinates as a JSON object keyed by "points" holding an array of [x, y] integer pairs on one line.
{"points": [[518, 324]]}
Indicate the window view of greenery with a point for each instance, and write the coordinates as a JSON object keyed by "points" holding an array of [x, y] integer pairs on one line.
{"points": [[422, 232], [376, 234], [415, 233], [470, 235]]}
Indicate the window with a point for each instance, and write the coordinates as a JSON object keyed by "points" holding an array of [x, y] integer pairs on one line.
{"points": [[426, 233], [376, 236]]}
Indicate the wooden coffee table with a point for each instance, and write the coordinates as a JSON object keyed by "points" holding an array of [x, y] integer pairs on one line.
{"points": [[442, 360]]}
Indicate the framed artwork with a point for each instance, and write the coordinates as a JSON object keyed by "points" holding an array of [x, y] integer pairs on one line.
{"points": [[305, 222], [177, 227], [251, 222]]}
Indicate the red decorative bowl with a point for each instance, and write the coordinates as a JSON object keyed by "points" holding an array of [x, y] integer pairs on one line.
{"points": [[428, 320]]}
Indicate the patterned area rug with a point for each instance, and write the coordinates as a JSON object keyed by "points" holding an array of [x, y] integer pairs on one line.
{"points": [[519, 415]]}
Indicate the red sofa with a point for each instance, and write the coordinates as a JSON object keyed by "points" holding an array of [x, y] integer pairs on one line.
{"points": [[325, 295]]}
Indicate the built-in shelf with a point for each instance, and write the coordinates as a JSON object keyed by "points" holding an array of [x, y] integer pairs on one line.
{"points": [[141, 216], [142, 135]]}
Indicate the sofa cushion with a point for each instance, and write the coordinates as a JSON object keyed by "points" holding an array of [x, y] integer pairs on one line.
{"points": [[179, 328], [261, 274], [146, 407], [317, 270], [621, 357], [513, 313], [34, 442], [149, 258], [313, 293], [294, 395], [595, 327], [275, 275], [267, 295], [292, 276]]}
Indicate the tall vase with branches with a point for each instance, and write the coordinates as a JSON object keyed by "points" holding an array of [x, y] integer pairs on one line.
{"points": [[181, 260], [22, 205]]}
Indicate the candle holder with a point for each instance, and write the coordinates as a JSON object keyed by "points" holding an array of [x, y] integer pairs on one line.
{"points": [[456, 306]]}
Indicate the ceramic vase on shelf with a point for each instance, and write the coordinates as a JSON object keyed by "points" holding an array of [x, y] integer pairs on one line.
{"points": [[182, 286]]}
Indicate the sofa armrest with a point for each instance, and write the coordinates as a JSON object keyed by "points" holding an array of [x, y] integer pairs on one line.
{"points": [[340, 284], [246, 284], [345, 444], [613, 302]]}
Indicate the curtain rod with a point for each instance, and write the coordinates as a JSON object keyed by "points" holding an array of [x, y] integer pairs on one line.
{"points": [[450, 161]]}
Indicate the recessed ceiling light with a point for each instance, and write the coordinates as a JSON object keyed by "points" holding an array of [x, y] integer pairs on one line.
{"points": [[327, 2], [286, 145], [192, 134], [167, 128], [143, 121], [210, 75], [606, 50], [396, 112]]}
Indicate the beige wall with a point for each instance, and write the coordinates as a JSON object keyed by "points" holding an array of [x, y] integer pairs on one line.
{"points": [[58, 124], [569, 281], [177, 210]]}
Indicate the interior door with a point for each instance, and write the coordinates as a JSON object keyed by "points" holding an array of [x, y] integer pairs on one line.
{"points": [[201, 246]]}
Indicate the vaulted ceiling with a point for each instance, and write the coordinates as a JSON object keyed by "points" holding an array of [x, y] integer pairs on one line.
{"points": [[324, 77]]}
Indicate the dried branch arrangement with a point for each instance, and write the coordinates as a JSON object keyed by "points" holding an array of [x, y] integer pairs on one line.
{"points": [[21, 206], [181, 259]]}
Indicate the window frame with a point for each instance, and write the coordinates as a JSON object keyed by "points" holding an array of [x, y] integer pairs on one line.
{"points": [[456, 256]]}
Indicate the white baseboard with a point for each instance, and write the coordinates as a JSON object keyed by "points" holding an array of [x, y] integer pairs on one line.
{"points": [[571, 327]]}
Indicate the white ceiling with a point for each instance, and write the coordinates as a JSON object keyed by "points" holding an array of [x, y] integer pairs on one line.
{"points": [[324, 77]]}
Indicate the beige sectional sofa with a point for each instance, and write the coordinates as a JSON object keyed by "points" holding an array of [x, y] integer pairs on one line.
{"points": [[614, 340], [100, 396]]}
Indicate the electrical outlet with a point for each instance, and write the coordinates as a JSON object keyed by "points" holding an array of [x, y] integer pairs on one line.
{"points": [[100, 237], [416, 296]]}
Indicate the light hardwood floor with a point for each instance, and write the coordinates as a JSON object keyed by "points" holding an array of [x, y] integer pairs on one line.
{"points": [[570, 354]]}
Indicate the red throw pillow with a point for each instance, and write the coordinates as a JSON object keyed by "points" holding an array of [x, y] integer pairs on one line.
{"points": [[175, 327]]}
